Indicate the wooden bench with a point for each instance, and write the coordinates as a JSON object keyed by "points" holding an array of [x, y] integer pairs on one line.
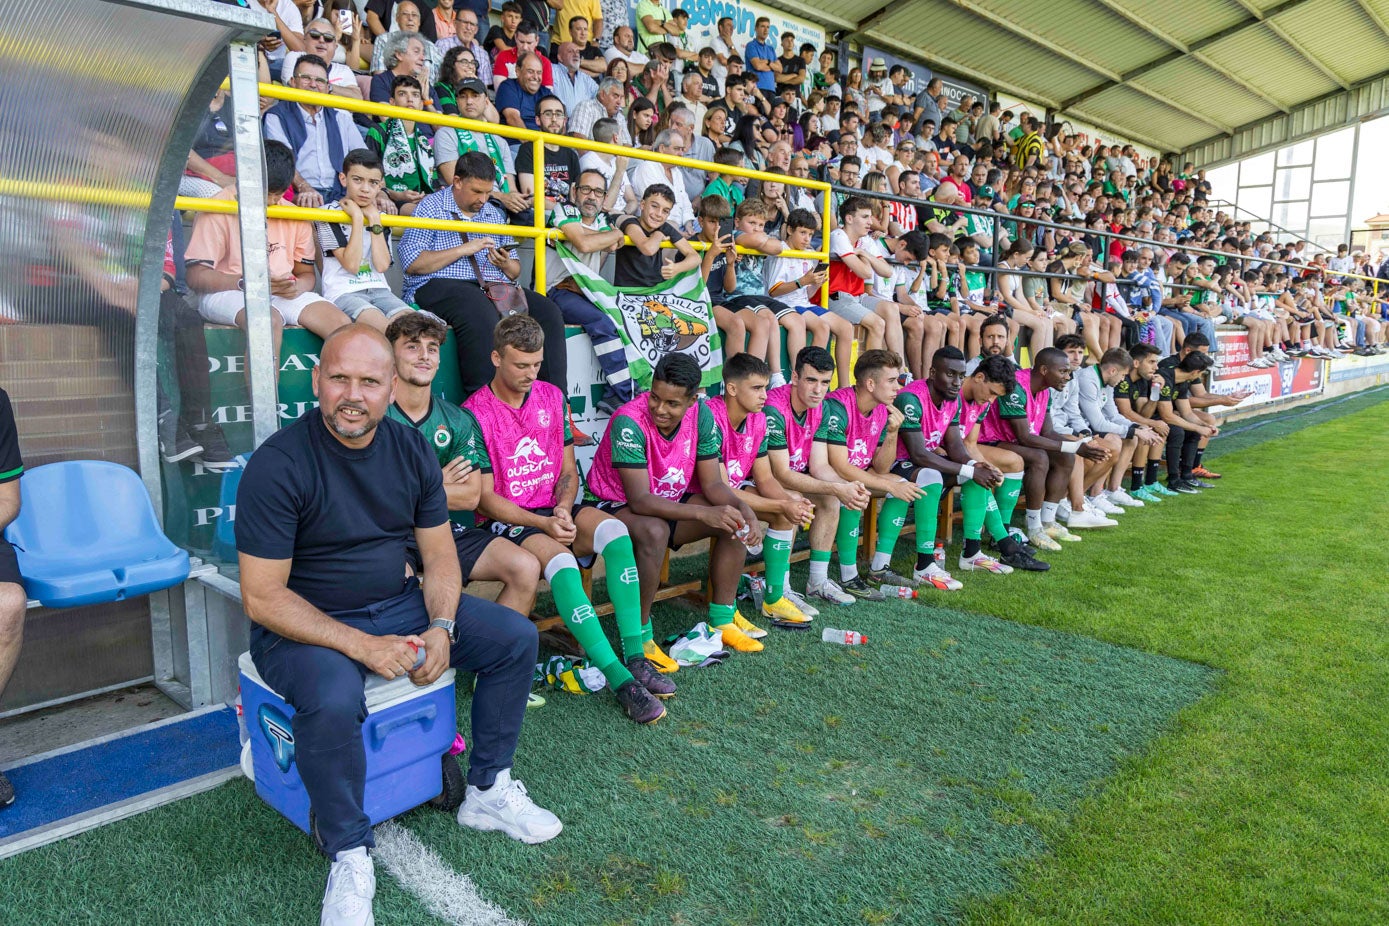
{"points": [[947, 518]]}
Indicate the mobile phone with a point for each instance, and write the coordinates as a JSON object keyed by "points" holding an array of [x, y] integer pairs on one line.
{"points": [[345, 21], [823, 268], [273, 35], [725, 227]]}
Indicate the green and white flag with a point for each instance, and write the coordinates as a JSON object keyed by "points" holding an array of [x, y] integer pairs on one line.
{"points": [[674, 317]]}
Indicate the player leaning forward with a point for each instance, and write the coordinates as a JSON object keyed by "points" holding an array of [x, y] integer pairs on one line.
{"points": [[643, 471], [530, 484]]}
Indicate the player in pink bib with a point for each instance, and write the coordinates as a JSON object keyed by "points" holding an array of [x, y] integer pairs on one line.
{"points": [[857, 440], [530, 483], [743, 430], [939, 434], [654, 449], [793, 416], [1019, 423]]}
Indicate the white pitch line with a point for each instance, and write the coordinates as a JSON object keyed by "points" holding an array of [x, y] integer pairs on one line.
{"points": [[447, 894]]}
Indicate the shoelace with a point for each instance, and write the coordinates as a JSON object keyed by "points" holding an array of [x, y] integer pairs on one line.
{"points": [[356, 871]]}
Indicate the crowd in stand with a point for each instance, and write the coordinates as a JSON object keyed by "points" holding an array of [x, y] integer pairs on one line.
{"points": [[961, 235]]}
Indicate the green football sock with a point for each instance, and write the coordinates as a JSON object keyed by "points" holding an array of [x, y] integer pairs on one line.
{"points": [[568, 587], [891, 519], [846, 542], [974, 499], [993, 521], [1006, 495], [624, 588], [926, 510], [721, 615], [776, 554]]}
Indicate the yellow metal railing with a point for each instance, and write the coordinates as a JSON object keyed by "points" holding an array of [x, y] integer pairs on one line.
{"points": [[538, 139]]}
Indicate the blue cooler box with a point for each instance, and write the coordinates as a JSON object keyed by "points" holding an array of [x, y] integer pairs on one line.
{"points": [[406, 731]]}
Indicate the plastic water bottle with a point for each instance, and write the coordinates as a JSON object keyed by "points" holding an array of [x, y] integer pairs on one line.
{"points": [[898, 591], [419, 656], [843, 637], [940, 555], [743, 534]]}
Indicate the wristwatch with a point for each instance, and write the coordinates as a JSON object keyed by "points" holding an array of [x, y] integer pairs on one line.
{"points": [[450, 627], [377, 229]]}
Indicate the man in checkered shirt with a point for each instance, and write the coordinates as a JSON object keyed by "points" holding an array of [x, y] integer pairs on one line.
{"points": [[442, 268]]}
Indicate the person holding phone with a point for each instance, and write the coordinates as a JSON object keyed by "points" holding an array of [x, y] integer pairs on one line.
{"points": [[445, 272]]}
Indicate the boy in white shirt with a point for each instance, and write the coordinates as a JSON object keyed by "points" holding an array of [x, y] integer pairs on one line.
{"points": [[356, 256], [794, 280]]}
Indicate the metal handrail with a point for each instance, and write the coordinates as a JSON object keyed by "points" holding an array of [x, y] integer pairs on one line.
{"points": [[1220, 204], [1074, 229], [539, 140]]}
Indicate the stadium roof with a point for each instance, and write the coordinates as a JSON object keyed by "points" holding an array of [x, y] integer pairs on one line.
{"points": [[1171, 75]]}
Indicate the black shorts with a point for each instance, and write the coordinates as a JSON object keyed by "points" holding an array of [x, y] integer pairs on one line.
{"points": [[904, 468], [517, 533], [9, 564], [470, 542], [614, 507]]}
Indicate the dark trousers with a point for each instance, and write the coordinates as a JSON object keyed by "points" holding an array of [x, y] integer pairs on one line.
{"points": [[471, 315], [1181, 452], [602, 331], [181, 330], [326, 690]]}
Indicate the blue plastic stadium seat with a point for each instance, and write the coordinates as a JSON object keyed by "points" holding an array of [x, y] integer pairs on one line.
{"points": [[86, 534]]}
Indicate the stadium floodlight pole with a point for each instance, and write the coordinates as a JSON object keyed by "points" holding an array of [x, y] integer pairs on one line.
{"points": [[255, 272]]}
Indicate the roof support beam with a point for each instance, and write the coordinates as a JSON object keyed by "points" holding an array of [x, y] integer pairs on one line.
{"points": [[873, 18], [1378, 19], [1113, 77], [984, 80], [1267, 19], [1180, 49]]}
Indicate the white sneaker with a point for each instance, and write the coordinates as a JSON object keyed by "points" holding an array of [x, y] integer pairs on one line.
{"points": [[806, 607], [1103, 505], [937, 577], [984, 563], [830, 591], [1087, 519], [1124, 499], [351, 887], [1280, 355], [1057, 531], [506, 807], [1063, 509]]}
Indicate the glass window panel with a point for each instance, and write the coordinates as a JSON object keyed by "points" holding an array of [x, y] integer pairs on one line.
{"points": [[1330, 198], [1224, 181], [1327, 232], [1300, 153], [1257, 170], [1292, 216], [1293, 183], [1256, 199], [1334, 155]]}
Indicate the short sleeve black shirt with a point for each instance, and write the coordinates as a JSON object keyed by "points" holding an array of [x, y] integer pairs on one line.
{"points": [[633, 268], [343, 516], [11, 464]]}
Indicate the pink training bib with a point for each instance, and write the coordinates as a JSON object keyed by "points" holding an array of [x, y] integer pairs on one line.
{"points": [[970, 413], [934, 420], [861, 432], [525, 445], [799, 437], [670, 462], [995, 429], [739, 449]]}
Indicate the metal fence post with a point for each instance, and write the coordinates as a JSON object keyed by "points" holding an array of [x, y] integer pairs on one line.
{"points": [[250, 194]]}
